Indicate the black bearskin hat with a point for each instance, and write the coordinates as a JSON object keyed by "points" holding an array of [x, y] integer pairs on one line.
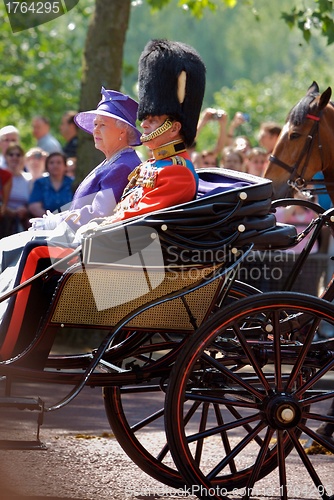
{"points": [[171, 79]]}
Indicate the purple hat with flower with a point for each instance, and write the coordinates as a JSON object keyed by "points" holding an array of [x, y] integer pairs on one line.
{"points": [[114, 105]]}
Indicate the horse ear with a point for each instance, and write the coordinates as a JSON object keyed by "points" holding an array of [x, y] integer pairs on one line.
{"points": [[324, 98], [313, 89]]}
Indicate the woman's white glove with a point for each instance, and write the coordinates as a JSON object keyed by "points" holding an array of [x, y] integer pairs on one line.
{"points": [[86, 228], [48, 221]]}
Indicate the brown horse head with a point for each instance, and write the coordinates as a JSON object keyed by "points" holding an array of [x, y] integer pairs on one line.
{"points": [[305, 146]]}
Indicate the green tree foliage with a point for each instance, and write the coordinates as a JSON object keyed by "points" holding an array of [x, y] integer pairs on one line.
{"points": [[309, 16], [317, 16], [41, 70], [254, 61]]}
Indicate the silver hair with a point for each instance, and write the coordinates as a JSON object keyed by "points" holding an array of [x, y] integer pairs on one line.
{"points": [[130, 132]]}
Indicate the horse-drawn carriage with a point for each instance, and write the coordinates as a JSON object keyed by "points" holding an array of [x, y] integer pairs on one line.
{"points": [[241, 370]]}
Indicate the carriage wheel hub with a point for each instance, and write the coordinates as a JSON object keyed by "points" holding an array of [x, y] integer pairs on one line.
{"points": [[287, 414], [283, 412]]}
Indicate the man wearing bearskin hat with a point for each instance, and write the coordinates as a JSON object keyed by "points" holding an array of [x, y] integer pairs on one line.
{"points": [[171, 82]]}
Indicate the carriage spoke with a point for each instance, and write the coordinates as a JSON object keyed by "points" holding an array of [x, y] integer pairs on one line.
{"points": [[234, 401], [309, 466], [247, 427], [281, 465], [250, 355], [277, 352], [163, 453], [236, 451], [224, 438], [165, 449], [148, 420], [302, 354], [315, 378], [202, 427], [258, 464], [221, 428], [319, 418], [233, 376], [318, 437]]}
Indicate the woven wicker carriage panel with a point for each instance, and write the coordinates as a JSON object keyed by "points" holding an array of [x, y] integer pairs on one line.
{"points": [[77, 304]]}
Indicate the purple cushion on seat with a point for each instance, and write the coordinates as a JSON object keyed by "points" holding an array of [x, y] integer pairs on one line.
{"points": [[207, 188]]}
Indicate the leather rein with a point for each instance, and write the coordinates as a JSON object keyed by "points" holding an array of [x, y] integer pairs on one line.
{"points": [[297, 180]]}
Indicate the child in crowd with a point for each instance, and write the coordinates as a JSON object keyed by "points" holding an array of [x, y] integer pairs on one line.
{"points": [[256, 161]]}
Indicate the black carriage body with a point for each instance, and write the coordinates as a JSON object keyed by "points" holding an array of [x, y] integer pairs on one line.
{"points": [[150, 284]]}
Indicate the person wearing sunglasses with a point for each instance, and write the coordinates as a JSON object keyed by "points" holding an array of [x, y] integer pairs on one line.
{"points": [[16, 212], [35, 164]]}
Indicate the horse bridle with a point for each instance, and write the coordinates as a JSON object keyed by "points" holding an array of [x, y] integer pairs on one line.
{"points": [[296, 180]]}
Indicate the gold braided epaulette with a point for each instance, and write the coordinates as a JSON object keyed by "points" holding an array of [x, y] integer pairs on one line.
{"points": [[178, 160]]}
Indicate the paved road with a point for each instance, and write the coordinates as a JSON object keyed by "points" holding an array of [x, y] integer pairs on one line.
{"points": [[83, 460]]}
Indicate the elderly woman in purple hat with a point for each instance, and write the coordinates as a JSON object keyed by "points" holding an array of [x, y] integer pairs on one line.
{"points": [[113, 125]]}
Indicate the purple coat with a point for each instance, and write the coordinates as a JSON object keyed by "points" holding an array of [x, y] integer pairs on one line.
{"points": [[101, 190]]}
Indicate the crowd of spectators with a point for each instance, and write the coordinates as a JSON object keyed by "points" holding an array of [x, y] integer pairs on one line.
{"points": [[39, 179], [232, 150]]}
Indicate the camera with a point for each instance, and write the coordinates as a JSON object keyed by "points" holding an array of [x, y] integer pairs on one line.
{"points": [[218, 114], [246, 117]]}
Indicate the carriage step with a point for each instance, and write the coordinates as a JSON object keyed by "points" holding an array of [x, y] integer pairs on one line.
{"points": [[20, 403]]}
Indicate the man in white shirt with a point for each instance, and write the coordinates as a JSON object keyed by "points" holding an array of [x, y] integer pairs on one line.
{"points": [[41, 132]]}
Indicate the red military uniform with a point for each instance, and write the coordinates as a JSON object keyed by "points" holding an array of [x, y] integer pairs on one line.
{"points": [[157, 184]]}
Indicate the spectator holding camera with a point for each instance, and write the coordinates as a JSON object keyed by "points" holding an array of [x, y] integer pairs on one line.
{"points": [[238, 120], [239, 143], [210, 157], [226, 138]]}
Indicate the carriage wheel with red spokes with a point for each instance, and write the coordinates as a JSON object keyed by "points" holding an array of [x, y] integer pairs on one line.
{"points": [[248, 394]]}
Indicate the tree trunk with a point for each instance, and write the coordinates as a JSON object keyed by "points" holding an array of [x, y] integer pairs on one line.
{"points": [[102, 66]]}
